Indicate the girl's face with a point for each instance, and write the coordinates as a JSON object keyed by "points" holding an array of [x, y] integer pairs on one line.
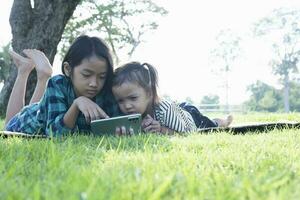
{"points": [[132, 98], [89, 77]]}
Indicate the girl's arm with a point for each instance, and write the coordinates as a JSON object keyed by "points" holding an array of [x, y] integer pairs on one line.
{"points": [[54, 106], [56, 114], [90, 110], [71, 116]]}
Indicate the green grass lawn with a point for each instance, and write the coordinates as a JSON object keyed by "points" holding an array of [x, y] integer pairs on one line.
{"points": [[195, 166]]}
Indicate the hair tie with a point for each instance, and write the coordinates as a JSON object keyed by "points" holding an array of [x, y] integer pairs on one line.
{"points": [[146, 67]]}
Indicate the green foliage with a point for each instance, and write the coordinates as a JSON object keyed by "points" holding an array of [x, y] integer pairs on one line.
{"points": [[123, 24], [5, 63], [266, 98], [195, 166], [269, 101], [295, 96], [210, 99], [1, 124]]}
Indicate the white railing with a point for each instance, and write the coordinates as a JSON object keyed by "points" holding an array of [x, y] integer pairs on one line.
{"points": [[220, 108]]}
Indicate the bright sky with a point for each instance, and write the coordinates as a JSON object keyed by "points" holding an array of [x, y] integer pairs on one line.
{"points": [[180, 48]]}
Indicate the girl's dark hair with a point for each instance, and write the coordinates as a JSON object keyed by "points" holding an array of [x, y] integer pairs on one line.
{"points": [[85, 47], [145, 75]]}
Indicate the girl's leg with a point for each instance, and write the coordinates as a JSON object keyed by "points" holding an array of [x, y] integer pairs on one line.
{"points": [[201, 121], [44, 72], [17, 97]]}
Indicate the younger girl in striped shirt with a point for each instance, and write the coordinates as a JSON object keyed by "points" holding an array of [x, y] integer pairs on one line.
{"points": [[135, 89]]}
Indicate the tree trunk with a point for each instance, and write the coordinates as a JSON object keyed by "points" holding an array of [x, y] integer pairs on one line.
{"points": [[286, 93], [38, 26]]}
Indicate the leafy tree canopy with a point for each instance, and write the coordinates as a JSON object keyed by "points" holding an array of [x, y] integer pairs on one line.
{"points": [[123, 24], [210, 99], [283, 30], [227, 50]]}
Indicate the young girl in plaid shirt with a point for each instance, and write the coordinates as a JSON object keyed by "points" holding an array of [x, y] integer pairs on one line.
{"points": [[64, 103]]}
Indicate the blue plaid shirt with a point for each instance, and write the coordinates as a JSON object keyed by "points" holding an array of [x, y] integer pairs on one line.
{"points": [[46, 117]]}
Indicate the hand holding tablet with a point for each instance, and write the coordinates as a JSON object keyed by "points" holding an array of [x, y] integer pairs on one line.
{"points": [[131, 124]]}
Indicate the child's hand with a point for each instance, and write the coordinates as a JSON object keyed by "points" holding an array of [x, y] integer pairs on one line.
{"points": [[90, 109], [151, 125], [122, 131]]}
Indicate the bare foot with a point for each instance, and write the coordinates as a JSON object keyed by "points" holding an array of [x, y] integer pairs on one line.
{"points": [[224, 122], [42, 64], [24, 65]]}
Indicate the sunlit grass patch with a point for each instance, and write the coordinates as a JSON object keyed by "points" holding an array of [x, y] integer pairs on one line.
{"points": [[194, 166]]}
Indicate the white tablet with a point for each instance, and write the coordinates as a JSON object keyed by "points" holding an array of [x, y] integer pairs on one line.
{"points": [[108, 126]]}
